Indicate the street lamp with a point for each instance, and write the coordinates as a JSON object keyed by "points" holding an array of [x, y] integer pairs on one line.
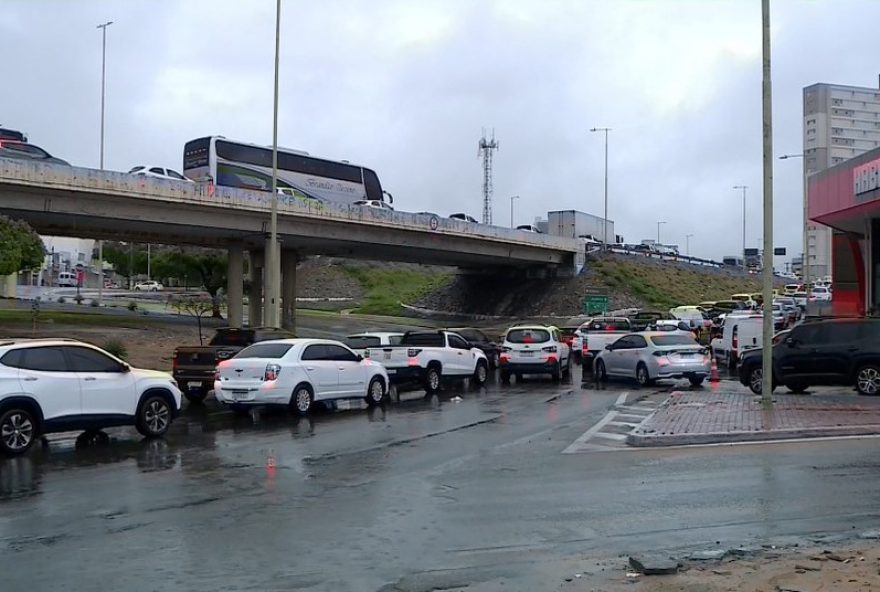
{"points": [[805, 264], [744, 188], [512, 197], [687, 240], [658, 231], [274, 268], [605, 218], [103, 27]]}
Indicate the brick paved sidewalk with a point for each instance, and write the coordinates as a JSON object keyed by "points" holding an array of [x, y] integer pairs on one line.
{"points": [[705, 417]]}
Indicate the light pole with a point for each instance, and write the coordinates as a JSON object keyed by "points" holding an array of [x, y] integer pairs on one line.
{"points": [[687, 240], [605, 217], [805, 264], [103, 27], [744, 188], [658, 231], [274, 268], [512, 197]]}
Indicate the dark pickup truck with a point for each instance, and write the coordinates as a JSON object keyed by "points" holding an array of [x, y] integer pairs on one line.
{"points": [[193, 367]]}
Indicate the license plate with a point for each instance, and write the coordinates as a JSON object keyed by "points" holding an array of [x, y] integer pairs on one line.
{"points": [[193, 385], [391, 370], [239, 395], [527, 354]]}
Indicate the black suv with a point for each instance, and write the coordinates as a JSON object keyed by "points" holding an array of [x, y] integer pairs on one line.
{"points": [[839, 352]]}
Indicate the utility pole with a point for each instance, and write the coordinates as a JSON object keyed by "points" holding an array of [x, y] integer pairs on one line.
{"points": [[273, 271], [687, 240], [103, 28], [605, 217], [485, 149], [805, 262], [767, 127], [658, 231], [744, 188], [512, 197]]}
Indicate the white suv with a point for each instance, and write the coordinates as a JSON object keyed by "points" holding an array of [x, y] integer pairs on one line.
{"points": [[59, 385], [534, 349], [150, 286]]}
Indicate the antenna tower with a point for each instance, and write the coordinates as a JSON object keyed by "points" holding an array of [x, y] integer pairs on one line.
{"points": [[485, 151]]}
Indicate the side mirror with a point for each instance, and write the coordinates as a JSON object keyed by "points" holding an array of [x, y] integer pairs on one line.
{"points": [[125, 368], [609, 347], [360, 358], [790, 342]]}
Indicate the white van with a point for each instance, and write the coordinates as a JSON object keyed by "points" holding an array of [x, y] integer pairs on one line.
{"points": [[741, 333], [66, 279]]}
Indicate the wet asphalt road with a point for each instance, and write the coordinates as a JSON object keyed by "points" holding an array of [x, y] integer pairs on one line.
{"points": [[423, 494]]}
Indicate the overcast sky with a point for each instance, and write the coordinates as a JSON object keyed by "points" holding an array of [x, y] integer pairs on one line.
{"points": [[405, 88]]}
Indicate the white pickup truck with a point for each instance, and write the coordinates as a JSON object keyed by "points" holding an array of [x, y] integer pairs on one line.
{"points": [[592, 337], [429, 358]]}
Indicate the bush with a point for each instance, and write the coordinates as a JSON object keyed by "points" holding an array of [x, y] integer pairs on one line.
{"points": [[62, 300], [93, 304], [132, 306], [79, 298], [116, 348]]}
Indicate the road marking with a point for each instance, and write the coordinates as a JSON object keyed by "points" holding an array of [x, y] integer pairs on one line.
{"points": [[621, 399], [574, 446], [623, 424], [611, 436]]}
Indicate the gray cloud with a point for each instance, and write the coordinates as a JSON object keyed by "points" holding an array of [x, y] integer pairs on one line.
{"points": [[406, 87]]}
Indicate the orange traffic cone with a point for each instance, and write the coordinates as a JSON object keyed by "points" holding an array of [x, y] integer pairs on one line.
{"points": [[713, 376]]}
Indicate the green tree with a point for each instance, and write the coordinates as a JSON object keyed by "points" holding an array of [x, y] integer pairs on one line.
{"points": [[208, 266], [127, 259], [20, 246]]}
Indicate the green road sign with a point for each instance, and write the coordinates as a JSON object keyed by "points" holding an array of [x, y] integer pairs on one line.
{"points": [[595, 303]]}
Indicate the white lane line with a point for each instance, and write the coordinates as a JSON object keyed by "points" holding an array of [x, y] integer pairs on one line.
{"points": [[621, 399], [623, 424], [574, 446], [631, 416], [641, 408], [598, 448], [611, 436]]}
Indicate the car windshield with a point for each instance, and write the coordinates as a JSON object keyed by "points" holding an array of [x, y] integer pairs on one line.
{"points": [[528, 336], [264, 350], [471, 335], [664, 340]]}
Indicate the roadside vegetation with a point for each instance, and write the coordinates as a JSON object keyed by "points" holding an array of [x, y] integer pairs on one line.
{"points": [[386, 287]]}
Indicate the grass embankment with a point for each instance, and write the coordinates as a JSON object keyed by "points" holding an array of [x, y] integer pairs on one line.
{"points": [[95, 319], [386, 288], [668, 286]]}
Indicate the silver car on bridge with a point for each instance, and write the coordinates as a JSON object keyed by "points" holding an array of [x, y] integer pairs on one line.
{"points": [[652, 355]]}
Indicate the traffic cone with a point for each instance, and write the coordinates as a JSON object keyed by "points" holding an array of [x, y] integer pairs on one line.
{"points": [[713, 376]]}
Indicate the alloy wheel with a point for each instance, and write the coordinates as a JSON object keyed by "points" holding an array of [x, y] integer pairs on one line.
{"points": [[756, 380], [17, 431], [303, 400], [868, 380], [377, 393], [156, 415]]}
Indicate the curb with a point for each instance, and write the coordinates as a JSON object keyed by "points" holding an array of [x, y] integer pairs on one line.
{"points": [[659, 441]]}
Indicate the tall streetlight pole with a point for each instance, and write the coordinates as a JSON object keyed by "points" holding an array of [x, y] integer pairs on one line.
{"points": [[103, 28], [744, 188], [687, 240], [658, 231], [273, 272], [512, 197], [767, 182], [605, 218], [805, 264]]}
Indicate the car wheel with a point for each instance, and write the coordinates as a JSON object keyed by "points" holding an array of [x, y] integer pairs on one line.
{"points": [[196, 395], [556, 373], [481, 374], [137, 289], [868, 380], [756, 380], [797, 387], [375, 392], [519, 377], [432, 380], [18, 430], [642, 376], [566, 372], [505, 376], [154, 416], [601, 375], [696, 380], [302, 399]]}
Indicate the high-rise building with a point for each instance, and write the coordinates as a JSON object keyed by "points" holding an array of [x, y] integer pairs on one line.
{"points": [[840, 122]]}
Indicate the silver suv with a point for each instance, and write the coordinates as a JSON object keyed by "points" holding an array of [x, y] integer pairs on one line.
{"points": [[59, 385]]}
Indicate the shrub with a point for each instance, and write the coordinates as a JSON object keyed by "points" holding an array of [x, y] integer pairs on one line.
{"points": [[132, 306], [79, 298], [93, 303], [117, 348], [62, 300]]}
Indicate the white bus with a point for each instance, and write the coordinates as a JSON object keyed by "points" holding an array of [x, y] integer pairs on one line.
{"points": [[249, 166]]}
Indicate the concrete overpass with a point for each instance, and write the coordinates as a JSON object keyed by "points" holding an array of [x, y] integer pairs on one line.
{"points": [[89, 203]]}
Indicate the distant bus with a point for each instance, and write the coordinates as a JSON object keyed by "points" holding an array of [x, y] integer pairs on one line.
{"points": [[249, 166], [733, 261]]}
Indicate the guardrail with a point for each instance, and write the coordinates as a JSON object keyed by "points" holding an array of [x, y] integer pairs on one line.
{"points": [[667, 257]]}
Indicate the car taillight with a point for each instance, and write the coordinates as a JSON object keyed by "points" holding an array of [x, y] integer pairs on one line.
{"points": [[216, 374], [413, 352], [660, 354], [272, 372], [585, 345], [174, 361], [549, 349]]}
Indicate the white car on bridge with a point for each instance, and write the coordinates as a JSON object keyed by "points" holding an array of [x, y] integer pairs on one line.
{"points": [[158, 173], [296, 373]]}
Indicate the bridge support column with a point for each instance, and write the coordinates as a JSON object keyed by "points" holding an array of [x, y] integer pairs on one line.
{"points": [[255, 298], [271, 289], [234, 297], [289, 259]]}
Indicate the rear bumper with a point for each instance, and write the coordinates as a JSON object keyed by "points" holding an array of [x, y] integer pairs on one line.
{"points": [[406, 374], [529, 368], [252, 395], [204, 378]]}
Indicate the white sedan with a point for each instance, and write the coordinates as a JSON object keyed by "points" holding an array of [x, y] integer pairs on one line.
{"points": [[297, 372], [374, 203], [158, 173]]}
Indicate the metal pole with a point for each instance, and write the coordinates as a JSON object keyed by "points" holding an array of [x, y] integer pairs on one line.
{"points": [[658, 231], [687, 240], [148, 261], [512, 197], [767, 116], [744, 188], [605, 218], [805, 265], [274, 283], [103, 28]]}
